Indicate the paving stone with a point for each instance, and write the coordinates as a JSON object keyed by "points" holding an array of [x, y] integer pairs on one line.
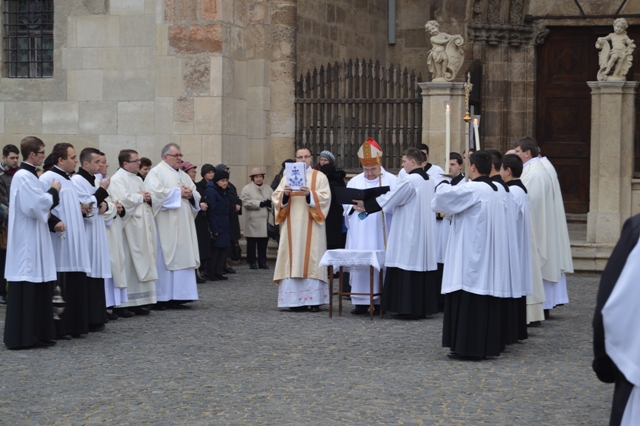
{"points": [[235, 358]]}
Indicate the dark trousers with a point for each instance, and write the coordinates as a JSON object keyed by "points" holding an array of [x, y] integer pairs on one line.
{"points": [[29, 316], [261, 243], [75, 318], [3, 283], [217, 261]]}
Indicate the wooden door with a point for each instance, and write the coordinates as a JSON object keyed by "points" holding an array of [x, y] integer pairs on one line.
{"points": [[565, 62]]}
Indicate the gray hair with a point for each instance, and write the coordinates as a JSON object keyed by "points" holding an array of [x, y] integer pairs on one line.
{"points": [[167, 149]]}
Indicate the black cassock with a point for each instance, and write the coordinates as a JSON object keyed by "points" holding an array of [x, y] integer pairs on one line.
{"points": [[603, 366]]}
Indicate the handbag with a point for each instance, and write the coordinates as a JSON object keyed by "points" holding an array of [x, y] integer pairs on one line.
{"points": [[235, 252], [273, 231]]}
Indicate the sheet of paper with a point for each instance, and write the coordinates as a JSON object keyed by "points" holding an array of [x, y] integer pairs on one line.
{"points": [[296, 174]]}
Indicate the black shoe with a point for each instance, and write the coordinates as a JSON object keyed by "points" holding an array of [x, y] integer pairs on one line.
{"points": [[159, 306], [360, 310], [221, 277], [96, 328], [405, 317], [547, 313], [48, 342], [534, 324], [200, 280], [123, 312], [112, 316], [210, 278], [3, 300], [177, 305], [314, 308], [253, 266], [78, 335], [229, 270], [299, 309], [265, 266], [139, 310], [44, 343], [65, 337], [455, 355]]}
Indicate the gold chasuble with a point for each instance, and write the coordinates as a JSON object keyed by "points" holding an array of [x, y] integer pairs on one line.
{"points": [[303, 238]]}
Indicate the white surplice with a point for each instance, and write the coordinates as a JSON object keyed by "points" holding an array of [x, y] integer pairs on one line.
{"points": [[366, 234], [511, 249], [621, 321], [475, 256], [70, 247], [115, 288], [28, 237], [178, 255], [436, 173], [95, 229], [549, 226], [412, 238], [139, 242]]}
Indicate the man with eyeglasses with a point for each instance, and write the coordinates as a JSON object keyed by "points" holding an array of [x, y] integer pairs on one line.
{"points": [[31, 265], [139, 242], [175, 206], [303, 241]]}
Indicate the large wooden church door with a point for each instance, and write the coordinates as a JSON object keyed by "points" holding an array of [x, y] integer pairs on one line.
{"points": [[565, 62]]}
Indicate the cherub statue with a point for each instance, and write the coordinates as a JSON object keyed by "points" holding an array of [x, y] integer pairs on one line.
{"points": [[615, 60], [446, 56]]}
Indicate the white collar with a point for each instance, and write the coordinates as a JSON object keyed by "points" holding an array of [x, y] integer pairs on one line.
{"points": [[530, 162]]}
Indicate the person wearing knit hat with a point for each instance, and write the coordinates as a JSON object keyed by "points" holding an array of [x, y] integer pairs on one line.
{"points": [[236, 211], [256, 199], [326, 157], [207, 171], [219, 224]]}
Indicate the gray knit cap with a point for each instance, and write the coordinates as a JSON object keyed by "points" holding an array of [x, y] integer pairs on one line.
{"points": [[328, 155]]}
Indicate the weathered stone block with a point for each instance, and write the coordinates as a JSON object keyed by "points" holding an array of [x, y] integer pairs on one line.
{"points": [[208, 115], [98, 118], [162, 39], [169, 76], [170, 10], [256, 124], [60, 117], [72, 58], [239, 79], [126, 7], [186, 10], [129, 85], [138, 30], [136, 118], [100, 57], [2, 118], [183, 109], [196, 38], [258, 72], [191, 147], [137, 57], [84, 85], [259, 13], [111, 145], [98, 31], [23, 117], [258, 98], [183, 127], [216, 86], [210, 10], [212, 149], [72, 32], [196, 76], [164, 115]]}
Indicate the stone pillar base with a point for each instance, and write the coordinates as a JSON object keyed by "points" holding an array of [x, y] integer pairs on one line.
{"points": [[433, 120], [613, 120]]}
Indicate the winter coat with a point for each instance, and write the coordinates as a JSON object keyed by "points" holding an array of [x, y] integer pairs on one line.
{"points": [[255, 217], [234, 220], [218, 214], [335, 237], [202, 224]]}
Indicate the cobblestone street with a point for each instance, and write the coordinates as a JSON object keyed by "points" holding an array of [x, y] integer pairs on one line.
{"points": [[234, 358]]}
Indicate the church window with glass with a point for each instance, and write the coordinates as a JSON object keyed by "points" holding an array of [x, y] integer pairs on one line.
{"points": [[28, 38]]}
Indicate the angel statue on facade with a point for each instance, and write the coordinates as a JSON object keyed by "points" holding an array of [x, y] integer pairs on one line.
{"points": [[446, 56], [615, 60]]}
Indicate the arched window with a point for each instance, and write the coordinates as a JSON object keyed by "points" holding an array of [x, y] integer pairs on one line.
{"points": [[28, 38]]}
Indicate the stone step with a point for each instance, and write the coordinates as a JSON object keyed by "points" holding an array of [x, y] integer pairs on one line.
{"points": [[589, 257]]}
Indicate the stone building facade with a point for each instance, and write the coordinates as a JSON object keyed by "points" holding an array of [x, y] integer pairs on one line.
{"points": [[217, 76]]}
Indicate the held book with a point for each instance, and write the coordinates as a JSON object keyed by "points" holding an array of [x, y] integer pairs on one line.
{"points": [[347, 195]]}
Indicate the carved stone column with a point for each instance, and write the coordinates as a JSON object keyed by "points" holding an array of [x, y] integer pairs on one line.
{"points": [[433, 119], [612, 131], [282, 118]]}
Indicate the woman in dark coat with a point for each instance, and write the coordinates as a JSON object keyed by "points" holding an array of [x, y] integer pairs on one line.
{"points": [[202, 221], [336, 238], [235, 210], [277, 178], [218, 215]]}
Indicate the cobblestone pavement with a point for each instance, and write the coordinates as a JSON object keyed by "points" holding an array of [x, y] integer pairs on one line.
{"points": [[234, 358]]}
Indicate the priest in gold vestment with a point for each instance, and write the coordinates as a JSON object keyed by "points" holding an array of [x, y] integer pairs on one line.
{"points": [[301, 215]]}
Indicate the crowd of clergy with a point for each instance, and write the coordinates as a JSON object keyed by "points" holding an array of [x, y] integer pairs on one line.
{"points": [[490, 249]]}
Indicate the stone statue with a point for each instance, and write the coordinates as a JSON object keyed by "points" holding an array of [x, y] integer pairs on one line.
{"points": [[615, 60], [446, 56]]}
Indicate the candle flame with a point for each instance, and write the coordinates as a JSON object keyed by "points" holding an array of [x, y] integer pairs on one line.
{"points": [[448, 108]]}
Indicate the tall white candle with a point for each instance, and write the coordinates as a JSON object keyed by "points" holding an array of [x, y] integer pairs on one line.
{"points": [[447, 113], [476, 133]]}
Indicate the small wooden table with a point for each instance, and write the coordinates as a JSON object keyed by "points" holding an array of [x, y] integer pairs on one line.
{"points": [[353, 260]]}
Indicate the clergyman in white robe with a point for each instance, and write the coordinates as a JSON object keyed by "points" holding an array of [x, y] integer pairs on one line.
{"points": [[139, 244], [178, 255], [115, 288], [366, 234], [31, 266], [72, 255]]}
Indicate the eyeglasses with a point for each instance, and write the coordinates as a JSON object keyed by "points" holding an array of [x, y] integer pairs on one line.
{"points": [[303, 157], [133, 161], [40, 152], [175, 155]]}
